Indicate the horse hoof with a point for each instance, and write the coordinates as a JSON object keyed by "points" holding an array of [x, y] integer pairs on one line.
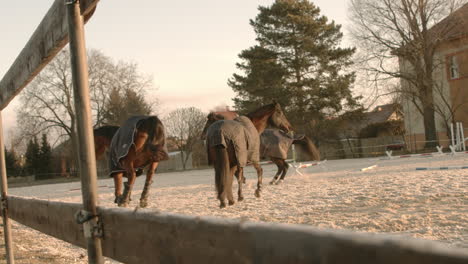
{"points": [[231, 202], [258, 193], [222, 205], [143, 204], [272, 182], [241, 198], [279, 182]]}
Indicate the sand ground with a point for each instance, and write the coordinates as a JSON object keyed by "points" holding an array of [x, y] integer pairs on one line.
{"points": [[393, 197]]}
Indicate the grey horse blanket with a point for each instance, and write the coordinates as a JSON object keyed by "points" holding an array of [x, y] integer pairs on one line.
{"points": [[241, 133], [122, 141], [275, 143]]}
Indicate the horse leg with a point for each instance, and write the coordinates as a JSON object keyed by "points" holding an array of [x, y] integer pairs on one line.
{"points": [[230, 179], [259, 179], [118, 186], [240, 178], [285, 171], [148, 182], [218, 156], [128, 165], [279, 165]]}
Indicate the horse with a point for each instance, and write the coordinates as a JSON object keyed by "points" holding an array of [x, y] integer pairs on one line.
{"points": [[231, 143], [102, 140], [274, 144], [139, 143]]}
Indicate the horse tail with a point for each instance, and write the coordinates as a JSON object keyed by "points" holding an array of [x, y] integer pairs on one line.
{"points": [[309, 147], [222, 170]]}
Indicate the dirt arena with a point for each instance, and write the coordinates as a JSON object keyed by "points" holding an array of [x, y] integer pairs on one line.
{"points": [[393, 198]]}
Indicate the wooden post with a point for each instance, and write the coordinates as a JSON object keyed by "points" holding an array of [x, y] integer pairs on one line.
{"points": [[87, 160], [4, 202]]}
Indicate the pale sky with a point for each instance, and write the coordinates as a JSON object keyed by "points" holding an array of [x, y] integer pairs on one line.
{"points": [[189, 47]]}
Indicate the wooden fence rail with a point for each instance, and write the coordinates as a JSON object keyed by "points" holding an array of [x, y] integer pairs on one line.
{"points": [[144, 236], [47, 40]]}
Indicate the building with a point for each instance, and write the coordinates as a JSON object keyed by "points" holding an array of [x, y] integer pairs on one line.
{"points": [[450, 82], [383, 120]]}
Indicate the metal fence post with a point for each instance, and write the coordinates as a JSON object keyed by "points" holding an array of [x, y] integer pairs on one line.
{"points": [[87, 160], [4, 201]]}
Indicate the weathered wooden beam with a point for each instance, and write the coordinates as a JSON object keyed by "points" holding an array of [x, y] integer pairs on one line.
{"points": [[47, 40], [9, 256], [143, 236], [84, 129]]}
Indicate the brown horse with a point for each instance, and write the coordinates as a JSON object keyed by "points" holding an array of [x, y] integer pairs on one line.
{"points": [[274, 144], [231, 143], [139, 143]]}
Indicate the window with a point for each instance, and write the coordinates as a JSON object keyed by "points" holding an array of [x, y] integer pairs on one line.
{"points": [[454, 72]]}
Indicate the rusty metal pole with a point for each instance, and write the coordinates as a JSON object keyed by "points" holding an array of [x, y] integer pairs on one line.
{"points": [[87, 160], [4, 201]]}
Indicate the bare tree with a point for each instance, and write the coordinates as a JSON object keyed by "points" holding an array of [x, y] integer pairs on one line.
{"points": [[398, 40], [47, 103], [185, 126]]}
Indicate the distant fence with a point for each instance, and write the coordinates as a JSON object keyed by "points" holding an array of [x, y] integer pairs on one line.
{"points": [[143, 236]]}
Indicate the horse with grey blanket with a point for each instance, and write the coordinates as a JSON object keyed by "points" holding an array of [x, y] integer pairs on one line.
{"points": [[275, 144], [140, 142], [233, 143]]}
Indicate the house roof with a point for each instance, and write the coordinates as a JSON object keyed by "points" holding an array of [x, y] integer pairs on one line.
{"points": [[227, 114], [381, 113], [453, 26]]}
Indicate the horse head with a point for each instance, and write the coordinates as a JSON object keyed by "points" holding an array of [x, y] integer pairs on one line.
{"points": [[156, 142], [278, 119], [210, 119]]}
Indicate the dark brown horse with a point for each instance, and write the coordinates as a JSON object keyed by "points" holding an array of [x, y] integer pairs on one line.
{"points": [[274, 145], [231, 143], [139, 143]]}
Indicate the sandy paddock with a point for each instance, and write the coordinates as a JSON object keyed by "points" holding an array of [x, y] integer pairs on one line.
{"points": [[391, 198]]}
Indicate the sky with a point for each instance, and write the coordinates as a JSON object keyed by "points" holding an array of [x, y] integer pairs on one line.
{"points": [[188, 47]]}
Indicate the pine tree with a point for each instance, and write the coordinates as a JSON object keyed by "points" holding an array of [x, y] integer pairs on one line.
{"points": [[123, 104], [297, 62], [263, 81], [45, 156], [12, 164], [32, 156]]}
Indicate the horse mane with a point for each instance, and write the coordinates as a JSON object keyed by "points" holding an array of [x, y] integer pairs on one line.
{"points": [[105, 131], [262, 111], [152, 125]]}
